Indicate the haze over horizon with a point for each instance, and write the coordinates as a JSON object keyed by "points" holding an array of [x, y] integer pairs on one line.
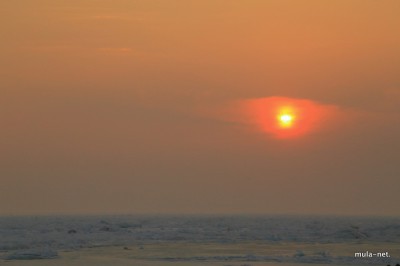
{"points": [[163, 106]]}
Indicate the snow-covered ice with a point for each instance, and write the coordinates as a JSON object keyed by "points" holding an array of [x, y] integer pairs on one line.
{"points": [[207, 239]]}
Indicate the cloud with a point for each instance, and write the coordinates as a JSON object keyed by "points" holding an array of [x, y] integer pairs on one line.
{"points": [[115, 50], [113, 17]]}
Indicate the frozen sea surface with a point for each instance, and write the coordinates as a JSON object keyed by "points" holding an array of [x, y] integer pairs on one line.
{"points": [[279, 239]]}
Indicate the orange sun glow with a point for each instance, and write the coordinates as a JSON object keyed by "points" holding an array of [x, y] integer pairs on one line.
{"points": [[284, 117]]}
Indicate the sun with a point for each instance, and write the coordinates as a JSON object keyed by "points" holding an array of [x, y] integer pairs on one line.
{"points": [[285, 120]]}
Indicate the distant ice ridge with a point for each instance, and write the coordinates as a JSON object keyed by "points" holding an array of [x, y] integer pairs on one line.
{"points": [[317, 259], [32, 254], [67, 232]]}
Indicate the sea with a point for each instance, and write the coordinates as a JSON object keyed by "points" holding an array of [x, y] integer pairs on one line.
{"points": [[326, 240]]}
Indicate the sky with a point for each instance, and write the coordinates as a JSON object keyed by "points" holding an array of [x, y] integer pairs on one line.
{"points": [[136, 106]]}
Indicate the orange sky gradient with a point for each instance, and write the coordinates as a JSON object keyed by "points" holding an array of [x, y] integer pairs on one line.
{"points": [[136, 106]]}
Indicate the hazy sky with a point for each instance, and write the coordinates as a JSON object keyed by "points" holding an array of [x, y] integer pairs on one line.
{"points": [[163, 106]]}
